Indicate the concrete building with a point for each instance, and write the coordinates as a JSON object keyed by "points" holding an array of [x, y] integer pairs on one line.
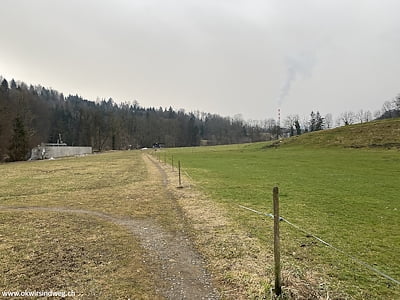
{"points": [[47, 151]]}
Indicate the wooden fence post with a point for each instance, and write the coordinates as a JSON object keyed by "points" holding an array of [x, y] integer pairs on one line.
{"points": [[179, 172], [277, 254], [172, 162]]}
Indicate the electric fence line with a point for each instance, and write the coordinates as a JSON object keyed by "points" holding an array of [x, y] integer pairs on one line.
{"points": [[355, 259]]}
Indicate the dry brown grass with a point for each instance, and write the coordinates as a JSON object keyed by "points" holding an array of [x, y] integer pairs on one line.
{"points": [[98, 258], [233, 257], [103, 226], [228, 250], [241, 266], [84, 253], [380, 134], [44, 251]]}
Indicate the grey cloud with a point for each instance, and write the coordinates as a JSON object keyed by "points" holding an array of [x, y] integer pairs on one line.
{"points": [[226, 57]]}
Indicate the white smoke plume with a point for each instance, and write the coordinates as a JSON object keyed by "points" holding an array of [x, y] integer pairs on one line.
{"points": [[297, 65]]}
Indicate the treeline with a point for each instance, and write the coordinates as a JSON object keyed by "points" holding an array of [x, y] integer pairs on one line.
{"points": [[30, 115], [295, 125], [391, 109]]}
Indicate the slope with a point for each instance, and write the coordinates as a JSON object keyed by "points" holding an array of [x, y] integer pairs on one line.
{"points": [[375, 134]]}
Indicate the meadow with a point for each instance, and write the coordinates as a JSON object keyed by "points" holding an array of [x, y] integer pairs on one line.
{"points": [[61, 226], [348, 197], [62, 221]]}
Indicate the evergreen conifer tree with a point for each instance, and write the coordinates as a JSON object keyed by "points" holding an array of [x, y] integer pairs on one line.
{"points": [[4, 86], [19, 148]]}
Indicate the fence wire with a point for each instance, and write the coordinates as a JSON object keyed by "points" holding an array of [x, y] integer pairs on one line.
{"points": [[355, 259]]}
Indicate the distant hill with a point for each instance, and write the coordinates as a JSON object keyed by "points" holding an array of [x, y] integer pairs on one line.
{"points": [[375, 134], [30, 115]]}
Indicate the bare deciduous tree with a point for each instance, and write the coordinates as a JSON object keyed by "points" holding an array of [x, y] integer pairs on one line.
{"points": [[328, 121], [359, 116], [387, 106], [347, 118], [367, 116]]}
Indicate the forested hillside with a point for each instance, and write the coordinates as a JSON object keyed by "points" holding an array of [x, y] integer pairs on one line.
{"points": [[30, 115]]}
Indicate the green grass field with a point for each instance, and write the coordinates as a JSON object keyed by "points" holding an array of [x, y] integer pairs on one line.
{"points": [[330, 187], [348, 197]]}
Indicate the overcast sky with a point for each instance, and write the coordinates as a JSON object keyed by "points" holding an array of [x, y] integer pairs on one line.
{"points": [[232, 57]]}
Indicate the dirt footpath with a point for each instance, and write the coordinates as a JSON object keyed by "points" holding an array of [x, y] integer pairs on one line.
{"points": [[177, 243], [182, 267], [183, 272], [180, 271], [233, 257]]}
